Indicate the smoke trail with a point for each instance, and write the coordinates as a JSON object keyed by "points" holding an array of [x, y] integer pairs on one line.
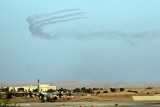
{"points": [[37, 22], [131, 38], [58, 21], [35, 26], [58, 17], [32, 18], [37, 31]]}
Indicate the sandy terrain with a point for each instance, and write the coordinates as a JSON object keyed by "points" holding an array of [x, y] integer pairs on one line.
{"points": [[94, 97]]}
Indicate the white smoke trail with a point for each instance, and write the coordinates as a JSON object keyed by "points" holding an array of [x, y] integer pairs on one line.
{"points": [[38, 21]]}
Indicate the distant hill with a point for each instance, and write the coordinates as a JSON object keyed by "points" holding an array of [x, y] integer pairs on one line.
{"points": [[76, 84]]}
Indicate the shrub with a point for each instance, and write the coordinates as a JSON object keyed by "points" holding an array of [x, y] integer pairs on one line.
{"points": [[83, 89], [62, 89], [98, 92], [156, 92], [77, 90], [89, 90], [95, 88], [122, 89], [9, 96], [35, 90], [132, 91], [20, 89], [149, 88], [112, 89], [105, 92], [6, 89]]}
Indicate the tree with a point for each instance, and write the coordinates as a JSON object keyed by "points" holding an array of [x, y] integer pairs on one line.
{"points": [[6, 89], [9, 96], [122, 89], [62, 89], [95, 88], [77, 90], [89, 90], [20, 89], [98, 92], [35, 90], [112, 89]]}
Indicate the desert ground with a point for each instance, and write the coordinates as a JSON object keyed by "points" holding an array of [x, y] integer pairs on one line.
{"points": [[105, 95]]}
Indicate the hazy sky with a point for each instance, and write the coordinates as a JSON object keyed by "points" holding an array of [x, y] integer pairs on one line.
{"points": [[119, 40]]}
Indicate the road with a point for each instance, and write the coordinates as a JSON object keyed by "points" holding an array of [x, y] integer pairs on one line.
{"points": [[104, 103]]}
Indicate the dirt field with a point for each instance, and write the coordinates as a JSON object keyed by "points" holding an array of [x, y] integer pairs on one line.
{"points": [[125, 95]]}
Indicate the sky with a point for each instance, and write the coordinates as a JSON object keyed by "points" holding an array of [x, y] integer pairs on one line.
{"points": [[80, 40]]}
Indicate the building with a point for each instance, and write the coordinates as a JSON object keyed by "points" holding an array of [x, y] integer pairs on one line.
{"points": [[43, 87], [46, 87]]}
